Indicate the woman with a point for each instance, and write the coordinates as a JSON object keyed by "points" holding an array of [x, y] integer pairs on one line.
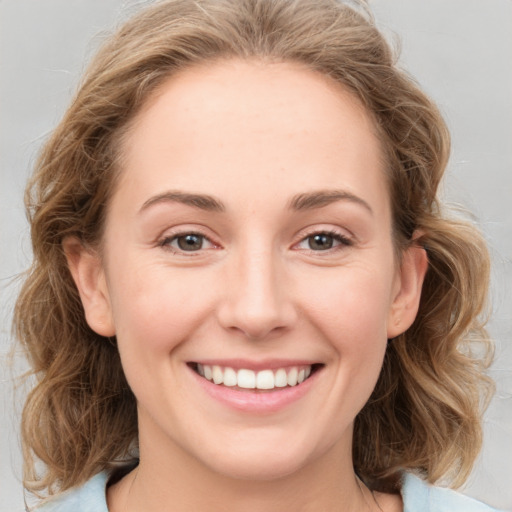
{"points": [[243, 282]]}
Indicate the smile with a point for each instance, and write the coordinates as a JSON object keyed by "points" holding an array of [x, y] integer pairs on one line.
{"points": [[265, 379], [256, 387]]}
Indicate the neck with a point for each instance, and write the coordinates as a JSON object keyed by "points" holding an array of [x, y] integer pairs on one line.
{"points": [[170, 480]]}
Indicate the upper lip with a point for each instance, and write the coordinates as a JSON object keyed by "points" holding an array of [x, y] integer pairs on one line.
{"points": [[265, 364]]}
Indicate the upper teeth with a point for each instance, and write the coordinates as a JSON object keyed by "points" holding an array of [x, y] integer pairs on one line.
{"points": [[249, 379]]}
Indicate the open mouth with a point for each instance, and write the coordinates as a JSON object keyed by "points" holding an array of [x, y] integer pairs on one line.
{"points": [[264, 380]]}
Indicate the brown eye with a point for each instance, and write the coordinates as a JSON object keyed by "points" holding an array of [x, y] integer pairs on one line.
{"points": [[186, 242], [324, 241], [320, 242], [190, 242]]}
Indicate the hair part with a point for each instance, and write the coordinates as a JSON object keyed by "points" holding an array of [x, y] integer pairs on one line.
{"points": [[425, 412]]}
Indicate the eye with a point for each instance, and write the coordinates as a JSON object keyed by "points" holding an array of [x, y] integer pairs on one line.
{"points": [[323, 241], [187, 242]]}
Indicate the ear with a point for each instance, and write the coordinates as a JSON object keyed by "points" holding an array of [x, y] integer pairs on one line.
{"points": [[407, 292], [87, 270]]}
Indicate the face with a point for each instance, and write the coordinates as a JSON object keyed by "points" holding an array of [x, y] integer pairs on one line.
{"points": [[248, 269]]}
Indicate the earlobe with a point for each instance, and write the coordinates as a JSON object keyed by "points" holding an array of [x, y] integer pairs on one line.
{"points": [[88, 274], [407, 298]]}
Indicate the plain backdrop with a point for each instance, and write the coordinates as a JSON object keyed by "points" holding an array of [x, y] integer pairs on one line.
{"points": [[460, 51]]}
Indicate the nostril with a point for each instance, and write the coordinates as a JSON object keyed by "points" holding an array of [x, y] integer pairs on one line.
{"points": [[255, 305]]}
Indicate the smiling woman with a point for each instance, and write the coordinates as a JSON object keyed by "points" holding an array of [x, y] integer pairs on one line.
{"points": [[269, 262], [243, 282]]}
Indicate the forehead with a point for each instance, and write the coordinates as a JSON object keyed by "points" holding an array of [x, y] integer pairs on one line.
{"points": [[239, 125], [232, 88]]}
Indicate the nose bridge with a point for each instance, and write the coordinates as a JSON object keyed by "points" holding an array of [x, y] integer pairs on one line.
{"points": [[256, 298]]}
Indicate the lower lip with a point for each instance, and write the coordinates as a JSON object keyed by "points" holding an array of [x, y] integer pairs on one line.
{"points": [[256, 401]]}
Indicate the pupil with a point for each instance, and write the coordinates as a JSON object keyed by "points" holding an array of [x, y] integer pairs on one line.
{"points": [[190, 242], [320, 242]]}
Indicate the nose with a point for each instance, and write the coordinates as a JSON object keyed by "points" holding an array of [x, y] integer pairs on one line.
{"points": [[257, 298]]}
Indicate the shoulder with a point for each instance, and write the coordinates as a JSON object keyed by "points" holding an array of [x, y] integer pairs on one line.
{"points": [[419, 496], [89, 497]]}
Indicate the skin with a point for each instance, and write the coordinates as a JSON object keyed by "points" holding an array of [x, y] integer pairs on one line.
{"points": [[252, 135]]}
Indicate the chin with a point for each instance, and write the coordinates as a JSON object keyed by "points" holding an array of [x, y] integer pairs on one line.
{"points": [[263, 468], [262, 460]]}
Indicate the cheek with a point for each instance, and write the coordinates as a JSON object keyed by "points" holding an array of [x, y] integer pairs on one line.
{"points": [[351, 309], [156, 308], [353, 298], [350, 312], [155, 313]]}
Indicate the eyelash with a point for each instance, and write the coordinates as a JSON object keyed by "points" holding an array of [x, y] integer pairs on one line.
{"points": [[343, 240], [165, 243]]}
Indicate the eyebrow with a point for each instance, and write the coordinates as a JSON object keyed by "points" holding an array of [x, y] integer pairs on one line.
{"points": [[300, 202], [200, 201], [321, 198]]}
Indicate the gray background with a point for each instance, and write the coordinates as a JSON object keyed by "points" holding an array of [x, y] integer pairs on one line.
{"points": [[459, 50]]}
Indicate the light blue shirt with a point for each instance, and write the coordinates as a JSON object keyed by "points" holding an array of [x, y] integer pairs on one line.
{"points": [[417, 496]]}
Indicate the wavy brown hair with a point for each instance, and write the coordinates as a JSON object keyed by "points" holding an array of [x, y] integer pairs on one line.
{"points": [[425, 412]]}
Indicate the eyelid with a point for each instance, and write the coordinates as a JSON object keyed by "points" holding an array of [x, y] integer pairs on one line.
{"points": [[345, 239], [172, 234]]}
